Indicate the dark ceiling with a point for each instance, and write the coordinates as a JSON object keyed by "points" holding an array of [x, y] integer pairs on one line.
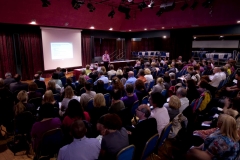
{"points": [[61, 14]]}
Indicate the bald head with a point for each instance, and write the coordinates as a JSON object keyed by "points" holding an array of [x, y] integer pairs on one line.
{"points": [[78, 129], [130, 74]]}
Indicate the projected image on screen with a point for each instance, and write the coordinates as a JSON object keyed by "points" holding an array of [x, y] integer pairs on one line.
{"points": [[61, 50]]}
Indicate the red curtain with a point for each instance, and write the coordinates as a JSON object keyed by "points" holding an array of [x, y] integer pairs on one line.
{"points": [[7, 57], [31, 53], [86, 50]]}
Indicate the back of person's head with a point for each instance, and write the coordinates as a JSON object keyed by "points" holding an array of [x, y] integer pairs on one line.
{"points": [[55, 75], [101, 73], [103, 69], [139, 85], [36, 76], [129, 88], [203, 84], [158, 99], [81, 80], [147, 71], [22, 96], [117, 94], [181, 92], [17, 77], [112, 121], [58, 69], [69, 80], [130, 74], [172, 75], [78, 129], [160, 80], [8, 75], [228, 127], [119, 72], [75, 109], [111, 67], [87, 66], [39, 73], [141, 72], [87, 86], [99, 100], [63, 70], [145, 109], [166, 78], [32, 86], [100, 84], [191, 84], [1, 83], [48, 97], [84, 72], [46, 111], [51, 85], [68, 92], [174, 102]]}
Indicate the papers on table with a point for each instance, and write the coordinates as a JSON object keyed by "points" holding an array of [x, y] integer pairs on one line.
{"points": [[210, 77]]}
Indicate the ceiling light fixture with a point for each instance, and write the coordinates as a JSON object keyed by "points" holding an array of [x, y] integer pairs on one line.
{"points": [[145, 29], [164, 37], [110, 29], [130, 30], [194, 37], [76, 4], [151, 4], [221, 36], [162, 27], [33, 22], [194, 5], [90, 7], [238, 21], [111, 14], [45, 3], [185, 5], [142, 5], [92, 27]]}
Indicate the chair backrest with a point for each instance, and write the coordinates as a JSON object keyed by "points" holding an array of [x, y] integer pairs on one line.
{"points": [[151, 84], [50, 142], [134, 107], [146, 85], [164, 92], [90, 105], [149, 147], [221, 84], [64, 80], [107, 99], [90, 80], [126, 153], [23, 122], [56, 97], [36, 101], [145, 100], [164, 134]]}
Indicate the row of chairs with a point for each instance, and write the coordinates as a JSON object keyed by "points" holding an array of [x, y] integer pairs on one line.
{"points": [[150, 149]]}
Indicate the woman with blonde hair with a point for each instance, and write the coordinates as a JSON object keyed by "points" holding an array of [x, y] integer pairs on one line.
{"points": [[80, 84], [222, 144], [84, 74], [99, 109], [103, 69], [88, 70], [68, 95], [22, 105], [159, 86], [148, 75], [173, 106], [49, 98]]}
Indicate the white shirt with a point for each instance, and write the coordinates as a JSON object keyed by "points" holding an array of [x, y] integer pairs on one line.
{"points": [[162, 117], [184, 104], [223, 75], [149, 78], [106, 58], [80, 149], [110, 73], [216, 79]]}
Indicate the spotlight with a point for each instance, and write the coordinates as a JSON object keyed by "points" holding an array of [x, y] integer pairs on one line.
{"points": [[111, 14], [194, 5], [45, 3], [142, 5], [76, 4], [184, 6], [160, 11], [207, 3], [90, 7], [151, 4]]}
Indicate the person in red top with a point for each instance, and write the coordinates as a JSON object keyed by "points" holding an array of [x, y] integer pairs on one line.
{"points": [[106, 59], [73, 113]]}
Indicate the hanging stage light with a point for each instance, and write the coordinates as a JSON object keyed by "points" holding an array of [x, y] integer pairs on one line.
{"points": [[45, 3], [111, 14]]}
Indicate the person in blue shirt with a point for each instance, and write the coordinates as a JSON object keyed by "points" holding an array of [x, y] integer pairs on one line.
{"points": [[131, 78], [101, 77]]}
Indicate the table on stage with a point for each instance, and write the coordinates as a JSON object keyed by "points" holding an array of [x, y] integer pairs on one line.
{"points": [[117, 64]]}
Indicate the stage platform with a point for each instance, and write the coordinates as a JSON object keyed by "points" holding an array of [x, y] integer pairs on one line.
{"points": [[117, 64]]}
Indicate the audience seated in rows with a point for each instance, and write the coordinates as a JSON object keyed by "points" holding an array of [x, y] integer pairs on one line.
{"points": [[141, 76], [8, 79], [140, 90], [111, 71], [159, 86], [131, 79], [18, 85], [55, 78], [130, 97], [117, 104]]}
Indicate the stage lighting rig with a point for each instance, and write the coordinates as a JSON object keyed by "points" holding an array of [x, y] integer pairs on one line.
{"points": [[111, 14], [90, 7], [76, 4]]}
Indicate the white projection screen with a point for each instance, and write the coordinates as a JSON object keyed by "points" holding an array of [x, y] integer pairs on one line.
{"points": [[61, 48]]}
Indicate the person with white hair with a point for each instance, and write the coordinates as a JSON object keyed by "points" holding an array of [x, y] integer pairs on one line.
{"points": [[8, 79]]}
